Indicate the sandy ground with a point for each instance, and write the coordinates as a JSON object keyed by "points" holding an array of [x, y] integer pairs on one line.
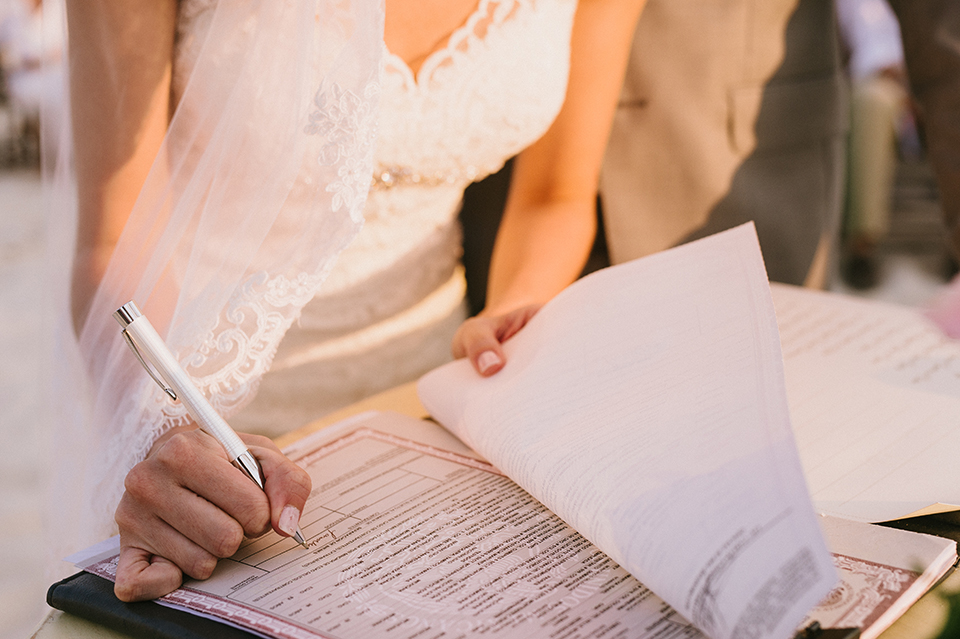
{"points": [[23, 426]]}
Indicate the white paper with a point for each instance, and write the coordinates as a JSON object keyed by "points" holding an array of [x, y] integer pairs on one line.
{"points": [[874, 392], [645, 405]]}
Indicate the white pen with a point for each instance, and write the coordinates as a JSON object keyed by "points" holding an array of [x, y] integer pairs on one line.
{"points": [[143, 338]]}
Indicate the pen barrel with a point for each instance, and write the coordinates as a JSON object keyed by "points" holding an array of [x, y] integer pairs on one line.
{"points": [[156, 352]]}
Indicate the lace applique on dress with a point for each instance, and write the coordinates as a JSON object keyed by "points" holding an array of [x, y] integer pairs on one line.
{"points": [[493, 89]]}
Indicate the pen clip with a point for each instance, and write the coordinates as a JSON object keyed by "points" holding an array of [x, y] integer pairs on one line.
{"points": [[166, 389]]}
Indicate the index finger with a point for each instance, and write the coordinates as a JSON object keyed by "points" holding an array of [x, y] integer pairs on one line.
{"points": [[287, 486]]}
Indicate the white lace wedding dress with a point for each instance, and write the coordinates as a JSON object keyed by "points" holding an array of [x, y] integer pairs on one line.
{"points": [[388, 310]]}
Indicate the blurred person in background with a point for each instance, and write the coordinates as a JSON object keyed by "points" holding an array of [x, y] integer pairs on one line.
{"points": [[31, 52], [881, 125]]}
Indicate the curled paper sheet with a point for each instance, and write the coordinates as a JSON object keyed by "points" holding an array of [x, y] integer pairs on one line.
{"points": [[646, 406]]}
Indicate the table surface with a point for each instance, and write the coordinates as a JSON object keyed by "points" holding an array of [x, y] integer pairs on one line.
{"points": [[922, 621]]}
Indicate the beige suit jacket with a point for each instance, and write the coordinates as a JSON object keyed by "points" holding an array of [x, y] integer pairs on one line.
{"points": [[732, 110]]}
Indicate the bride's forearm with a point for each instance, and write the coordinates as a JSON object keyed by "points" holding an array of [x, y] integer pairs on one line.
{"points": [[539, 251], [550, 220], [120, 70]]}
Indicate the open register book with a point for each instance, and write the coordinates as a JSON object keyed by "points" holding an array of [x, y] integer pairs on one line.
{"points": [[638, 442]]}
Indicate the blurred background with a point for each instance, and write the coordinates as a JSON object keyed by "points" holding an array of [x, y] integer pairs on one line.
{"points": [[907, 263], [29, 75]]}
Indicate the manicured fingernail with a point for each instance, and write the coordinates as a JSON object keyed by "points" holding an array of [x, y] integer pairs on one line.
{"points": [[289, 519], [487, 360]]}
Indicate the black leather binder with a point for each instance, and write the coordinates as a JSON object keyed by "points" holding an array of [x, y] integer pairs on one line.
{"points": [[91, 597]]}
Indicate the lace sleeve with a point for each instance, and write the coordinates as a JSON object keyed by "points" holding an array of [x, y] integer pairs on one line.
{"points": [[267, 161]]}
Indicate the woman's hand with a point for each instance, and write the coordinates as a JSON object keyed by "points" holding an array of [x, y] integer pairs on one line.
{"points": [[480, 338], [186, 506]]}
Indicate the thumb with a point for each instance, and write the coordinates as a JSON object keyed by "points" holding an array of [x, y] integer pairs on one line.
{"points": [[480, 339], [142, 575], [476, 339]]}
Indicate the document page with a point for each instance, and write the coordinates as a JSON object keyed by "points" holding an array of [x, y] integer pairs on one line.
{"points": [[874, 392], [645, 405], [410, 540]]}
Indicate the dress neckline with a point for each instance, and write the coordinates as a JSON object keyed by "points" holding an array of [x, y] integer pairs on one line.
{"points": [[457, 38]]}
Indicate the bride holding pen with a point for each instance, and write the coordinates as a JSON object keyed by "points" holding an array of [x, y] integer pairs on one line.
{"points": [[276, 184]]}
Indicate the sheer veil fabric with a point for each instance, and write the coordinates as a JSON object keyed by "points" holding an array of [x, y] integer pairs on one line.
{"points": [[252, 151]]}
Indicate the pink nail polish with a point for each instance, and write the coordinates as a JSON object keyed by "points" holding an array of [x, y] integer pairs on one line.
{"points": [[289, 519], [487, 360]]}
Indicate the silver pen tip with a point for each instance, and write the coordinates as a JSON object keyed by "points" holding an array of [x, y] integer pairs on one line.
{"points": [[298, 537]]}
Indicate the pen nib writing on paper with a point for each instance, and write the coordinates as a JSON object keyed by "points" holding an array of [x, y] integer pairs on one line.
{"points": [[148, 347]]}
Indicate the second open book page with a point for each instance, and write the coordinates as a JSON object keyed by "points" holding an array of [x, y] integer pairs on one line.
{"points": [[874, 392], [645, 405]]}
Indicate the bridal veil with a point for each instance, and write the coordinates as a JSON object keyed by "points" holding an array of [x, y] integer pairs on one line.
{"points": [[260, 182]]}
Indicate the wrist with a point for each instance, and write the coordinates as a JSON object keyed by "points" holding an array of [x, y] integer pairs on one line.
{"points": [[505, 307]]}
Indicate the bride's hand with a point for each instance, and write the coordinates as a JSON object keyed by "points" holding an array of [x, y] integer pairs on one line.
{"points": [[185, 506], [480, 338]]}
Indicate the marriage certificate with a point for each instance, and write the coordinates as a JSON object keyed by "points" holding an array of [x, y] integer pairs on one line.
{"points": [[412, 539]]}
